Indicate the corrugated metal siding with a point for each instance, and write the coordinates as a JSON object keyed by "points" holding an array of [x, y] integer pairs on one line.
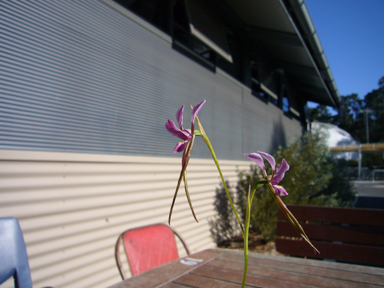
{"points": [[81, 77], [72, 207], [265, 126]]}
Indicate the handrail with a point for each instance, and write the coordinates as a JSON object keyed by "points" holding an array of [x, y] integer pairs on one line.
{"points": [[373, 173]]}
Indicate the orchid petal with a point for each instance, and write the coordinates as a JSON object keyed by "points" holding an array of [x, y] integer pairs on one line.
{"points": [[171, 128], [280, 172], [185, 135], [180, 146], [280, 190], [182, 134], [257, 159], [179, 117], [270, 159], [196, 110]]}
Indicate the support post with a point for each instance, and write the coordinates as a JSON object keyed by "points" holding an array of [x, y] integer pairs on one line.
{"points": [[360, 160]]}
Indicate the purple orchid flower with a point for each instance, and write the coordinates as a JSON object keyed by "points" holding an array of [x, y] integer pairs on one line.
{"points": [[187, 136], [277, 173], [184, 134], [274, 179]]}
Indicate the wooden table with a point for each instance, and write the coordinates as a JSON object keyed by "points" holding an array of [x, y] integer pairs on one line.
{"points": [[223, 268]]}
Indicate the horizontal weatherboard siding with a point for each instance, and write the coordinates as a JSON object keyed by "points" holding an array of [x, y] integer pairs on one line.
{"points": [[72, 207]]}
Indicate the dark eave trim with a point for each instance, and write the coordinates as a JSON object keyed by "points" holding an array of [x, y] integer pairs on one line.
{"points": [[299, 15]]}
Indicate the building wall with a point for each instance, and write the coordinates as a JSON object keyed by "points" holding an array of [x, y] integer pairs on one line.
{"points": [[86, 88], [85, 77], [72, 207]]}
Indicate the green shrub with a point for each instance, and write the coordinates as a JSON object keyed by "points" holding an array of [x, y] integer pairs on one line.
{"points": [[224, 226]]}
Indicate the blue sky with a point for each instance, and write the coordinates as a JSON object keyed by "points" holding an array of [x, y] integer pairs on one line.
{"points": [[352, 35]]}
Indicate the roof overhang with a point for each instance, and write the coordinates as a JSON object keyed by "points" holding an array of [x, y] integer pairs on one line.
{"points": [[284, 29]]}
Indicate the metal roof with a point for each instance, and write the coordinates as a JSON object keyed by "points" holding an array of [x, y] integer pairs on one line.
{"points": [[285, 30]]}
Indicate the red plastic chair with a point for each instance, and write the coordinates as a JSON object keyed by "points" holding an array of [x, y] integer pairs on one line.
{"points": [[147, 247]]}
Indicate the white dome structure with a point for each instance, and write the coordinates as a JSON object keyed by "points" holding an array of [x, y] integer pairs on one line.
{"points": [[336, 136]]}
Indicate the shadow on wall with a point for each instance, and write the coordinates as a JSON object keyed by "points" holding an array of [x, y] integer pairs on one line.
{"points": [[278, 136]]}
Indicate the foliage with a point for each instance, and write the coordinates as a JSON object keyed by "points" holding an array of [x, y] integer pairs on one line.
{"points": [[374, 103], [321, 113], [381, 83], [308, 182], [339, 191], [264, 208], [224, 226]]}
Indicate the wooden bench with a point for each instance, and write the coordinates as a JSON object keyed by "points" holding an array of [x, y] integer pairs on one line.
{"points": [[343, 234]]}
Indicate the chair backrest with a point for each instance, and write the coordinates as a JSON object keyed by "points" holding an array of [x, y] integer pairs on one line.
{"points": [[13, 254], [147, 247]]}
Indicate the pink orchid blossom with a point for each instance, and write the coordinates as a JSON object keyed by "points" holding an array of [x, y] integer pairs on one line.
{"points": [[274, 179], [184, 134], [187, 136], [277, 173]]}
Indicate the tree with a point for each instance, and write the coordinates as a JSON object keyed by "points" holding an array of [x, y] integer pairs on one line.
{"points": [[320, 113], [349, 117], [354, 113], [381, 83], [374, 101]]}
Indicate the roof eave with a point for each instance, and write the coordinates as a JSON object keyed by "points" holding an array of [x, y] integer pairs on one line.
{"points": [[298, 13]]}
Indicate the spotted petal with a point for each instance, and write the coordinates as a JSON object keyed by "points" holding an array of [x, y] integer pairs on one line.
{"points": [[257, 159], [180, 146], [280, 190]]}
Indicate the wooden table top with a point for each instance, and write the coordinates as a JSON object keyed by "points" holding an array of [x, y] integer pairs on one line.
{"points": [[223, 268]]}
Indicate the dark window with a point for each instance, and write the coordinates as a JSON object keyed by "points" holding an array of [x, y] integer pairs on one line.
{"points": [[234, 67], [194, 25], [273, 100], [156, 12], [187, 43], [256, 85]]}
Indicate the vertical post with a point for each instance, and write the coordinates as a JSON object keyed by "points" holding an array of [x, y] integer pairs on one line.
{"points": [[366, 125], [360, 160]]}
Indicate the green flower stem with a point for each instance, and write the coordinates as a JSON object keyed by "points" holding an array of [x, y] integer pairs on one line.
{"points": [[247, 224], [245, 231], [245, 236], [206, 140]]}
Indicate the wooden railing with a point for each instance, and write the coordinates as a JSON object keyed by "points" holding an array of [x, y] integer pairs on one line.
{"points": [[342, 234]]}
